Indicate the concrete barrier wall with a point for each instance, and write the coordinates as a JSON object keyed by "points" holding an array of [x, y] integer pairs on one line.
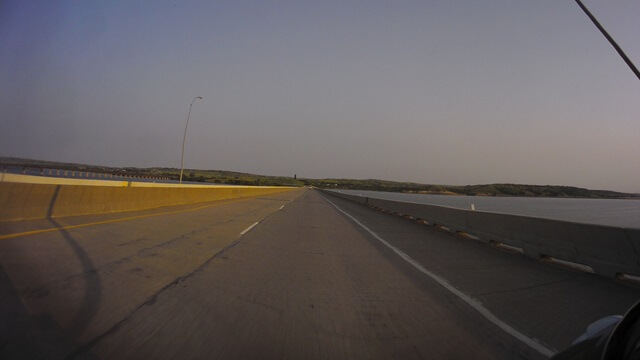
{"points": [[25, 200], [608, 251]]}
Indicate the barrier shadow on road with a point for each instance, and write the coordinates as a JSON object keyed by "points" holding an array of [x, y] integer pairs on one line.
{"points": [[39, 336]]}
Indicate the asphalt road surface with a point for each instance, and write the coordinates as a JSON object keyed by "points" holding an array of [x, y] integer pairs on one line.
{"points": [[312, 279]]}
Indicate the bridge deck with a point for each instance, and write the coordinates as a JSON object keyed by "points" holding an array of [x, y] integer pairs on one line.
{"points": [[306, 282]]}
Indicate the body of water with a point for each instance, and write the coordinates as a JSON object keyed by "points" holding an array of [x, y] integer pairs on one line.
{"points": [[619, 213]]}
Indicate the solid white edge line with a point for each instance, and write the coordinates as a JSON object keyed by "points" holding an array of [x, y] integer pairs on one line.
{"points": [[249, 228], [466, 298]]}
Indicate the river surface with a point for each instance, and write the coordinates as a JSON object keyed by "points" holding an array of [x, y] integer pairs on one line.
{"points": [[620, 213]]}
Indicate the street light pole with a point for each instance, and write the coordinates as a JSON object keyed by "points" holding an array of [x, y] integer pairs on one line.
{"points": [[185, 137]]}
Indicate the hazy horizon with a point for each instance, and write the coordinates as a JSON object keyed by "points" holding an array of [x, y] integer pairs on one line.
{"points": [[313, 178], [448, 93]]}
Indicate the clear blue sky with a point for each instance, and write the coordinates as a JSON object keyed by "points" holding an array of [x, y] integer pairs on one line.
{"points": [[448, 92]]}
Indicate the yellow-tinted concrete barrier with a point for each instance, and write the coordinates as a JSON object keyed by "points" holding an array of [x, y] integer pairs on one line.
{"points": [[23, 197]]}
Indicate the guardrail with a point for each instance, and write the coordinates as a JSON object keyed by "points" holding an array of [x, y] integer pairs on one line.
{"points": [[605, 250], [77, 173], [130, 182]]}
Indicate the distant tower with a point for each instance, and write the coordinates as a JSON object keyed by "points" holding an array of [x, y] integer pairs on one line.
{"points": [[295, 176]]}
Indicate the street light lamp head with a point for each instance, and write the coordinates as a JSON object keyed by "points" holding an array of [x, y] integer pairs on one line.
{"points": [[199, 97]]}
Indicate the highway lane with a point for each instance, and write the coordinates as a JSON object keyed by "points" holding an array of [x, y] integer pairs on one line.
{"points": [[61, 289], [306, 282], [547, 302]]}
